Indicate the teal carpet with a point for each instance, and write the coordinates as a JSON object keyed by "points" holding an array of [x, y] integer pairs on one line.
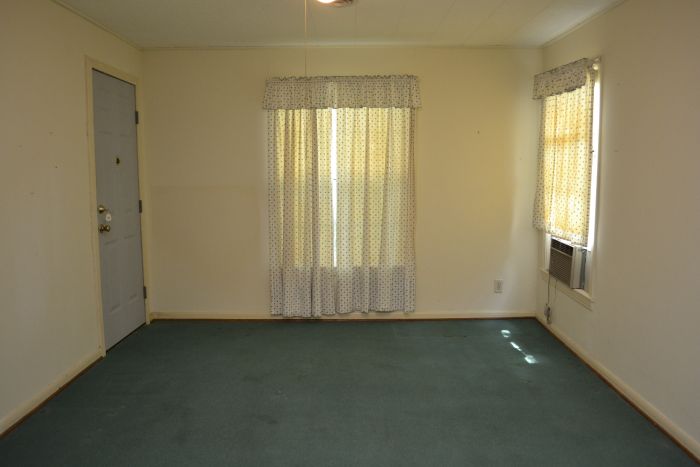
{"points": [[439, 393]]}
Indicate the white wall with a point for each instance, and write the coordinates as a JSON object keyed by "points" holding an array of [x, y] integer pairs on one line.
{"points": [[475, 168], [644, 324], [476, 140], [48, 317]]}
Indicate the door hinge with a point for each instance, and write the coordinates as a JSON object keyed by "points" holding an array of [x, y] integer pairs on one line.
{"points": [[140, 206], [136, 117], [145, 293]]}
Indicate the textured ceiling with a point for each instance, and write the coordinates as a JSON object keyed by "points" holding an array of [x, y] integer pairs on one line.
{"points": [[226, 23]]}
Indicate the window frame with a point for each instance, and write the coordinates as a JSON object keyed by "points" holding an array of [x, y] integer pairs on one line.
{"points": [[585, 296]]}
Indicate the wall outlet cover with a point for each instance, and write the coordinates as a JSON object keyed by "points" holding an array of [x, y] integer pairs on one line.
{"points": [[498, 286]]}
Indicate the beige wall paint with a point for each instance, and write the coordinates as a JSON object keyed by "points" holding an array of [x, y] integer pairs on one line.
{"points": [[475, 175], [475, 166], [643, 325], [48, 304]]}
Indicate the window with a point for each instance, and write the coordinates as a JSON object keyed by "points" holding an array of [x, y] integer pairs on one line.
{"points": [[568, 156], [341, 194]]}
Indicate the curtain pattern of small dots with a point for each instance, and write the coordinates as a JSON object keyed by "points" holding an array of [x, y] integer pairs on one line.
{"points": [[565, 160], [562, 79], [301, 224], [376, 205], [374, 268], [336, 92]]}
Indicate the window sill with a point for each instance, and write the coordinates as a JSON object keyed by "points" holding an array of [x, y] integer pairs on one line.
{"points": [[579, 296]]}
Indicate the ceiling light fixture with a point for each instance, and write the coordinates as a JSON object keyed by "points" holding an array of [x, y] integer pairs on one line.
{"points": [[337, 3]]}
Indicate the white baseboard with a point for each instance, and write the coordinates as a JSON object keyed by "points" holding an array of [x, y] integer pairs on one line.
{"points": [[9, 420], [646, 407], [416, 315]]}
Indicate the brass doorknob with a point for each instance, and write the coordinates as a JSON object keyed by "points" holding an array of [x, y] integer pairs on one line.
{"points": [[101, 208], [104, 228]]}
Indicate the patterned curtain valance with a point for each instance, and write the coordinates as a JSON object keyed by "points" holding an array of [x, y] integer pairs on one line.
{"points": [[563, 79], [323, 92]]}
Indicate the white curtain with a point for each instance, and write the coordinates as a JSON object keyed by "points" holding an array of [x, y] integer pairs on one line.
{"points": [[376, 265], [356, 254], [336, 92], [300, 212], [562, 199]]}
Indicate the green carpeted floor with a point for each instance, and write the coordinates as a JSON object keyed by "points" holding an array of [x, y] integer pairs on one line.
{"points": [[436, 393]]}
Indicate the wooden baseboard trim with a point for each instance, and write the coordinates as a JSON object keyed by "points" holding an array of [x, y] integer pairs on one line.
{"points": [[415, 316], [24, 411], [687, 443]]}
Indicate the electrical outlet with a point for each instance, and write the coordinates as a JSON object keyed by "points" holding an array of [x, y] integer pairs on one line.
{"points": [[498, 286]]}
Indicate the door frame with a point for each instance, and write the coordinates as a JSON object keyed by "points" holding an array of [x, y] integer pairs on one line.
{"points": [[92, 64]]}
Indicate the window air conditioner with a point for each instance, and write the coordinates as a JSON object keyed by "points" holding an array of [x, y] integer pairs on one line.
{"points": [[567, 263]]}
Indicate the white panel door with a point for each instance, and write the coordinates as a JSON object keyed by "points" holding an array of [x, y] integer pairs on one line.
{"points": [[118, 206]]}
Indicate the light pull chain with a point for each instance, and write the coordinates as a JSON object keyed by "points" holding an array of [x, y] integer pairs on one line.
{"points": [[306, 38]]}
